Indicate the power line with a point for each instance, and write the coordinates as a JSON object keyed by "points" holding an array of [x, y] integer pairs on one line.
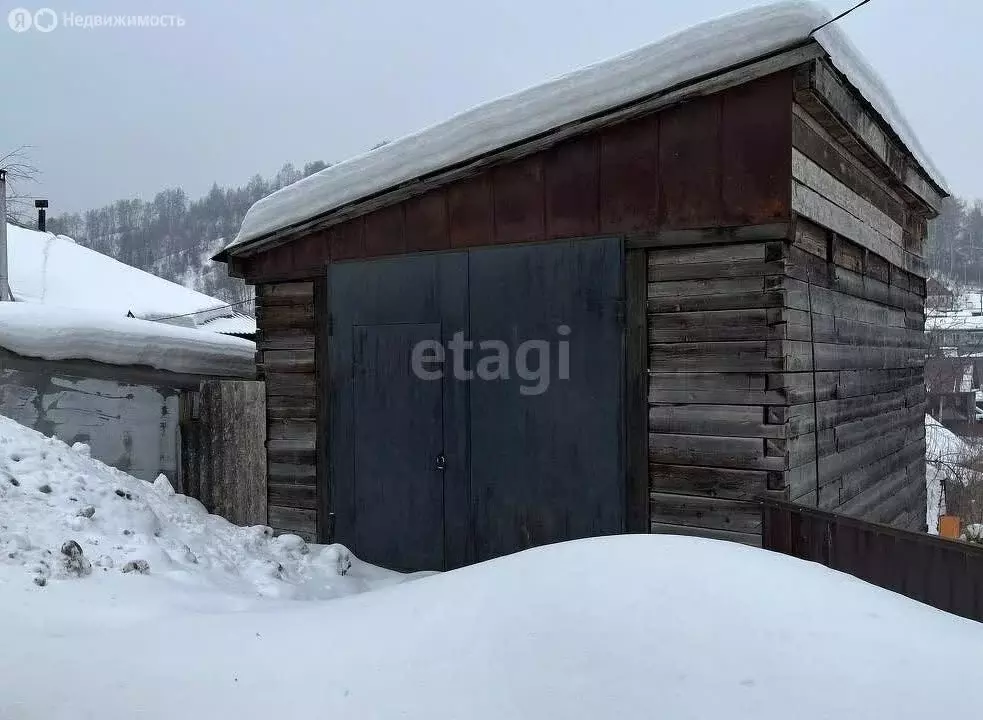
{"points": [[841, 15]]}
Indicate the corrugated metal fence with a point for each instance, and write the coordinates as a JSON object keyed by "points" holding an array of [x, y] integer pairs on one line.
{"points": [[945, 574]]}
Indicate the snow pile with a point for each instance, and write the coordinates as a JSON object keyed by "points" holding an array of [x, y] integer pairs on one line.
{"points": [[56, 333], [619, 627], [64, 515], [54, 270], [945, 457], [680, 58]]}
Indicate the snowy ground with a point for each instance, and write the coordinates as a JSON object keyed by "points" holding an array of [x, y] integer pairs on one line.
{"points": [[51, 494], [625, 627]]}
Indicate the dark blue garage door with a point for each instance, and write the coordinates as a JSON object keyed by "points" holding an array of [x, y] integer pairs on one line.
{"points": [[512, 438]]}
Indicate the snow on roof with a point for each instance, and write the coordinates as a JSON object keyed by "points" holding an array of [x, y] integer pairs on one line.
{"points": [[698, 51], [54, 333], [54, 270]]}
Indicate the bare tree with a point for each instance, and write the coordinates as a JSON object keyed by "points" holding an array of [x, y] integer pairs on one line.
{"points": [[20, 173]]}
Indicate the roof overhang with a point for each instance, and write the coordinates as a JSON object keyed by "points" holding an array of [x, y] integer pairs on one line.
{"points": [[738, 74]]}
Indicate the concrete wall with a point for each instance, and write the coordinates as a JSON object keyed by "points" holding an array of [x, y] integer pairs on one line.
{"points": [[132, 427]]}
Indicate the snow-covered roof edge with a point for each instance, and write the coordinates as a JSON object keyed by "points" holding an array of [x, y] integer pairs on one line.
{"points": [[695, 52], [55, 333]]}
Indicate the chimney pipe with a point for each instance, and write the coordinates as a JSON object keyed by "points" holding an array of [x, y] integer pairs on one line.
{"points": [[41, 205], [4, 281]]}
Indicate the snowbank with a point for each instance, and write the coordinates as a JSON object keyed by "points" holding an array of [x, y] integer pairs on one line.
{"points": [[623, 627], [53, 269], [56, 333], [52, 495], [619, 627], [679, 58]]}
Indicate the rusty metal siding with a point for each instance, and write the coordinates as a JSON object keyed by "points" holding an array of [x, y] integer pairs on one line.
{"points": [[571, 175], [471, 212], [384, 231], [756, 162], [347, 241], [519, 200], [427, 226], [689, 164], [715, 161], [629, 176]]}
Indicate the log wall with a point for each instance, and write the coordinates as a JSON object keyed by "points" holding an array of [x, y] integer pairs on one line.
{"points": [[716, 421], [855, 321], [285, 356]]}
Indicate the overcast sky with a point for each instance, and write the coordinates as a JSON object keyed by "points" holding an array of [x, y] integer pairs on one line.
{"points": [[243, 87]]}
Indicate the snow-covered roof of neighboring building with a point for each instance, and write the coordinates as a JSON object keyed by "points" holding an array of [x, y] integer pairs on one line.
{"points": [[702, 50], [54, 270], [234, 324], [54, 333]]}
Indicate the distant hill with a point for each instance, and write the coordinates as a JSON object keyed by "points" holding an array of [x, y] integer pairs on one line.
{"points": [[174, 237]]}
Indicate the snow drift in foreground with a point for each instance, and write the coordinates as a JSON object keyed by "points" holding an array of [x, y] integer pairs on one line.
{"points": [[67, 517], [622, 627]]}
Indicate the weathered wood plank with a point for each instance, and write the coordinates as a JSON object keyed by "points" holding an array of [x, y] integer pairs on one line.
{"points": [[723, 301], [708, 236], [720, 420], [713, 388], [285, 317], [291, 429], [288, 361], [712, 481], [814, 141], [284, 407], [815, 207], [290, 385], [290, 451], [715, 357], [713, 325], [849, 111], [710, 270], [815, 177], [740, 453], [291, 473], [752, 539], [636, 387], [294, 520], [748, 252], [300, 497], [289, 293], [705, 512]]}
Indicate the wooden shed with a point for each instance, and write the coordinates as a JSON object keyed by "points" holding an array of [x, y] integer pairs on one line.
{"points": [[726, 233]]}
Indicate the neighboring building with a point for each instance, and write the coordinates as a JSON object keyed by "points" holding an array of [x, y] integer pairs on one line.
{"points": [[112, 383], [952, 384], [82, 359], [725, 228], [54, 270]]}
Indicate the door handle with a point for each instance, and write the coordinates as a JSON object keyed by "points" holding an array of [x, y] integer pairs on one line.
{"points": [[440, 463]]}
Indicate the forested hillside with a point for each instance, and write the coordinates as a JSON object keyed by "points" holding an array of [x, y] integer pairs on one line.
{"points": [[174, 236], [955, 247]]}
